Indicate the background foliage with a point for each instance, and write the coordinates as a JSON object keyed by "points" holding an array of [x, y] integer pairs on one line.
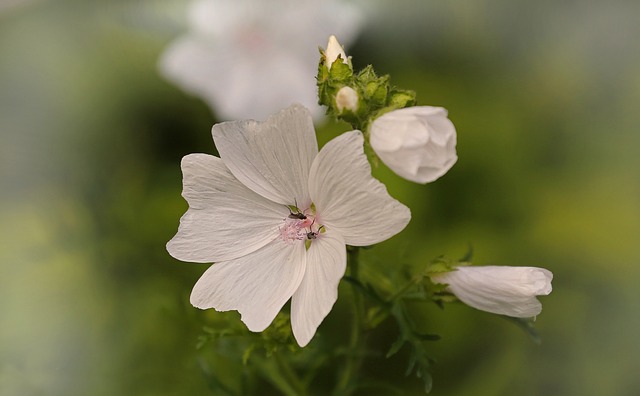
{"points": [[545, 99]]}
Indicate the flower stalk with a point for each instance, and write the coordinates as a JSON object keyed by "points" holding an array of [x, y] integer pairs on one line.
{"points": [[355, 351], [290, 375]]}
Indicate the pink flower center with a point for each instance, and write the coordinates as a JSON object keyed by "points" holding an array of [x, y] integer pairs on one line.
{"points": [[300, 226]]}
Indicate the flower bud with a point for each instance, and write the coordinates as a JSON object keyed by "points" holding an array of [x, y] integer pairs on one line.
{"points": [[334, 49], [417, 143], [501, 290], [347, 99]]}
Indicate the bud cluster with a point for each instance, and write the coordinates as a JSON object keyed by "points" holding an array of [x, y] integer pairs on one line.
{"points": [[356, 98], [417, 142]]}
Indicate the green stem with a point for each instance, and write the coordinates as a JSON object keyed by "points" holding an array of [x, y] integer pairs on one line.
{"points": [[412, 282], [290, 376], [356, 342]]}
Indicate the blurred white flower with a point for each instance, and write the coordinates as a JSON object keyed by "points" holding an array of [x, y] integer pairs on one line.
{"points": [[501, 290], [247, 59], [275, 215], [417, 143]]}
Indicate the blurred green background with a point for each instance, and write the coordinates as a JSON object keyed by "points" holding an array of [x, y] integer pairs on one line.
{"points": [[545, 97]]}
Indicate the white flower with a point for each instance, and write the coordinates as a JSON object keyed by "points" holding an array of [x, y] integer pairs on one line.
{"points": [[333, 51], [347, 98], [501, 290], [417, 143], [238, 217], [248, 58]]}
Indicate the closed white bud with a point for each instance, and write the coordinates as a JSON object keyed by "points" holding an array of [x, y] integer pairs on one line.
{"points": [[334, 49], [501, 290], [417, 143], [347, 99]]}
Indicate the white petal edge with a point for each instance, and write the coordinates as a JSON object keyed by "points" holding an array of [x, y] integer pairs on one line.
{"points": [[225, 219], [256, 285], [415, 165], [502, 290], [318, 291], [273, 157], [348, 199]]}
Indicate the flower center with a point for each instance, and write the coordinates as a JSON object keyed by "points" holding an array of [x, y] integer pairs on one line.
{"points": [[300, 226]]}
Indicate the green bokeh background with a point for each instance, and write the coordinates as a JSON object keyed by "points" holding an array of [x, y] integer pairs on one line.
{"points": [[545, 97]]}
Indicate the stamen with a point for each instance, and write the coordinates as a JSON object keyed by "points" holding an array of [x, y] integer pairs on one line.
{"points": [[300, 225]]}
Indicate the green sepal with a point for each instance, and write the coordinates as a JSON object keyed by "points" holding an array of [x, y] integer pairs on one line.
{"points": [[340, 71], [399, 99]]}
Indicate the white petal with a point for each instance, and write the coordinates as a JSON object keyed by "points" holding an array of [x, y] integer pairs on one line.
{"points": [[348, 199], [502, 290], [333, 51], [256, 285], [422, 165], [441, 129], [225, 219], [389, 132], [310, 304], [417, 143], [272, 158]]}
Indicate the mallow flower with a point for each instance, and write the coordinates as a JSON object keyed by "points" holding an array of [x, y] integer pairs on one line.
{"points": [[501, 290], [275, 215], [250, 58], [417, 143]]}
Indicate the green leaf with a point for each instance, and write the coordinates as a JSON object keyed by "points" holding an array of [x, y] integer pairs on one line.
{"points": [[426, 337], [427, 380], [412, 363], [396, 346], [376, 315]]}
